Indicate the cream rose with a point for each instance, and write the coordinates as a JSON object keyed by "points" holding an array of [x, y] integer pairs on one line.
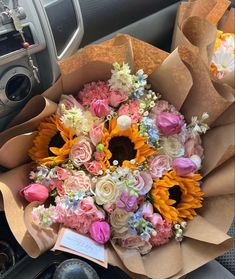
{"points": [[119, 220], [106, 190], [172, 147]]}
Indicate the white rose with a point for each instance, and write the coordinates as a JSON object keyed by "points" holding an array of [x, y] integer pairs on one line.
{"points": [[172, 147], [106, 190]]}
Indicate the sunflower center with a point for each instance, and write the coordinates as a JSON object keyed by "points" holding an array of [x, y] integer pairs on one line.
{"points": [[55, 141], [122, 148], [175, 194]]}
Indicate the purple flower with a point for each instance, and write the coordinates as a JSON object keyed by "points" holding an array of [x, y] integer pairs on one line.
{"points": [[184, 166], [169, 123], [127, 202]]}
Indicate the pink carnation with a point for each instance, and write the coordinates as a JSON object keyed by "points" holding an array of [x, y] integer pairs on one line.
{"points": [[80, 216], [163, 106], [131, 109], [93, 91], [163, 229], [78, 181]]}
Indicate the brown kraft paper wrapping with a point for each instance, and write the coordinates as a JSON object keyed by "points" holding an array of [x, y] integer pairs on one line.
{"points": [[195, 26], [218, 148], [181, 258]]}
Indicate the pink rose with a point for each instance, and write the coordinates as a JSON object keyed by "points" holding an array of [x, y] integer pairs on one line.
{"points": [[100, 108], [159, 165], [76, 182], [143, 183], [184, 166], [68, 102], [35, 192], [116, 98], [99, 156], [96, 134], [193, 146], [62, 174], [169, 123], [147, 210], [87, 206], [80, 152], [93, 167], [100, 231]]}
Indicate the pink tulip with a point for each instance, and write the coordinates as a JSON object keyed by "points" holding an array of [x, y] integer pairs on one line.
{"points": [[169, 123], [184, 166], [100, 231], [147, 210], [100, 108], [35, 192]]}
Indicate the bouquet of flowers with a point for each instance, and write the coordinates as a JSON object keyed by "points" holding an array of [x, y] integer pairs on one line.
{"points": [[117, 145], [119, 162]]}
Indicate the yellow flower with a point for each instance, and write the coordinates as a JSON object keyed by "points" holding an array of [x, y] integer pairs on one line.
{"points": [[53, 142], [126, 147], [176, 197]]}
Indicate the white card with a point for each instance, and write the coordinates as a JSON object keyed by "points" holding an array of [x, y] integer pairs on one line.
{"points": [[83, 244]]}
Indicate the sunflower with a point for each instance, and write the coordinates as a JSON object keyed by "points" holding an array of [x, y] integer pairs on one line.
{"points": [[126, 147], [53, 142], [176, 197]]}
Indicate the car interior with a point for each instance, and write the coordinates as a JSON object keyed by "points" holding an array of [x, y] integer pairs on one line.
{"points": [[56, 29]]}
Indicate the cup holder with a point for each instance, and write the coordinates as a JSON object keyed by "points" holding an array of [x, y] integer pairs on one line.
{"points": [[15, 88], [18, 88]]}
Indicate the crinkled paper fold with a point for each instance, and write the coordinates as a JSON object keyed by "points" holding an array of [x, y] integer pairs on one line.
{"points": [[183, 79], [196, 26]]}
